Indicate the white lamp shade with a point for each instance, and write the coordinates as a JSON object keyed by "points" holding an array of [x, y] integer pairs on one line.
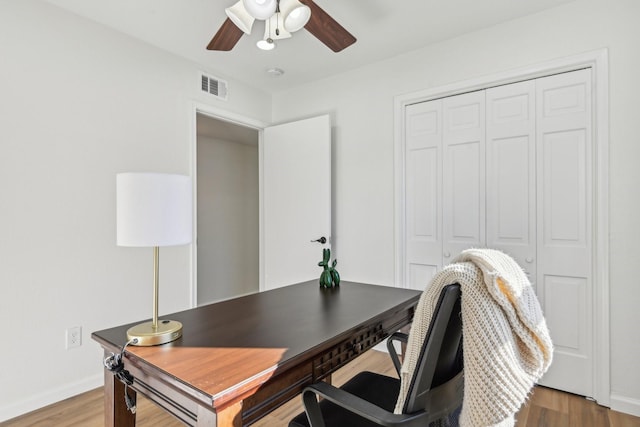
{"points": [[153, 209], [260, 9], [296, 15], [240, 17]]}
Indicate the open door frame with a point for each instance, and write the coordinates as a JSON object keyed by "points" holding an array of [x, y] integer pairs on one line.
{"points": [[219, 114], [310, 208]]}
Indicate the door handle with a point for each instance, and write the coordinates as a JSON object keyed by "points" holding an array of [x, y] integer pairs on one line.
{"points": [[322, 240]]}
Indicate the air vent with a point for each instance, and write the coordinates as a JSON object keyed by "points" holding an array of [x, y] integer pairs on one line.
{"points": [[214, 86]]}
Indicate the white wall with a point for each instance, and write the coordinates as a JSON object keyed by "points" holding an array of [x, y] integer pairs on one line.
{"points": [[228, 220], [361, 105], [78, 104]]}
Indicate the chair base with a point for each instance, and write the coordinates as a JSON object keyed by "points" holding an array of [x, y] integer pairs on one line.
{"points": [[380, 390]]}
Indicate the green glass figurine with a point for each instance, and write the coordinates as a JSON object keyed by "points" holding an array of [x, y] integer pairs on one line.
{"points": [[329, 276], [334, 273]]}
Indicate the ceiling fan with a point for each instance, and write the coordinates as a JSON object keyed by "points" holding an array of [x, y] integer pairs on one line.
{"points": [[282, 17]]}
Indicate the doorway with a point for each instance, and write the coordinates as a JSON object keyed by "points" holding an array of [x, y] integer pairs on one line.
{"points": [[227, 194]]}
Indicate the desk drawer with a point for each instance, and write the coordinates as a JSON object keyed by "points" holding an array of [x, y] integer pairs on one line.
{"points": [[341, 354]]}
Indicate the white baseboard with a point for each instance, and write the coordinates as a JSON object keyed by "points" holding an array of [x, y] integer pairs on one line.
{"points": [[625, 404], [48, 397]]}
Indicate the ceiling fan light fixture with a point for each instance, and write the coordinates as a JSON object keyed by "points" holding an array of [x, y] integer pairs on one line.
{"points": [[296, 15], [260, 9], [240, 17], [292, 15], [266, 44]]}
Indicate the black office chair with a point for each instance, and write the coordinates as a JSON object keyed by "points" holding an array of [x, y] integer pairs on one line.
{"points": [[368, 399]]}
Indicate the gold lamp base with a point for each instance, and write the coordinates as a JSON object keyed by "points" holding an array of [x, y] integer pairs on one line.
{"points": [[166, 331]]}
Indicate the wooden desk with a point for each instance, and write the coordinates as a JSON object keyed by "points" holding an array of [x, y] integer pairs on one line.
{"points": [[240, 359]]}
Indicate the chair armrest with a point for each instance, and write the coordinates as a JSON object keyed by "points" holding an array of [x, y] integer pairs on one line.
{"points": [[396, 336], [353, 404]]}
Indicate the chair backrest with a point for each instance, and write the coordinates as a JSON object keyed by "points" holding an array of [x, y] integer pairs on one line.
{"points": [[437, 383]]}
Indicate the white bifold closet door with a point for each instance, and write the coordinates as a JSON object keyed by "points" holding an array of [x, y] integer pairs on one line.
{"points": [[463, 173], [423, 192], [565, 209], [510, 168], [511, 172]]}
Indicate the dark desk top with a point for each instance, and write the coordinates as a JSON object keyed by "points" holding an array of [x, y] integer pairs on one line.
{"points": [[259, 333]]}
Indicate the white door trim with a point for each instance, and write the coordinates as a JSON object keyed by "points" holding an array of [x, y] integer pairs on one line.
{"points": [[220, 114], [598, 61]]}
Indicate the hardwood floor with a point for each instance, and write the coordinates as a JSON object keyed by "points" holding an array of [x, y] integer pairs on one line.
{"points": [[545, 408]]}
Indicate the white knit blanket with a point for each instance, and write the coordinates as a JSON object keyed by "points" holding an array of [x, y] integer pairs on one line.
{"points": [[506, 343]]}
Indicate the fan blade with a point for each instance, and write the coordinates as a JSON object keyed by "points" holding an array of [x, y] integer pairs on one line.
{"points": [[226, 37], [326, 29]]}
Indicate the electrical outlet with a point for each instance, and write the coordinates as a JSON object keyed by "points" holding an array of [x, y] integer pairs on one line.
{"points": [[74, 337]]}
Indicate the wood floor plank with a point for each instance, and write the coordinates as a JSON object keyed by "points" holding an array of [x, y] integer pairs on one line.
{"points": [[585, 413], [522, 416], [618, 419], [545, 407], [540, 416]]}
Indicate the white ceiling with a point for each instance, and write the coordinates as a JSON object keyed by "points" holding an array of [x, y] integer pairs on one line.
{"points": [[384, 28]]}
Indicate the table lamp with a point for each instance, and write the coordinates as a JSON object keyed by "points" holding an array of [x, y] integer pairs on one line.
{"points": [[153, 210]]}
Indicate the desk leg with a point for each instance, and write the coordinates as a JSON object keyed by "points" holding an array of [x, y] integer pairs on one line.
{"points": [[327, 379], [116, 413], [231, 416]]}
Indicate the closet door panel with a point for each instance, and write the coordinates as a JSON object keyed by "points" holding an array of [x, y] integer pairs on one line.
{"points": [[511, 163], [565, 226], [423, 221], [463, 173]]}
